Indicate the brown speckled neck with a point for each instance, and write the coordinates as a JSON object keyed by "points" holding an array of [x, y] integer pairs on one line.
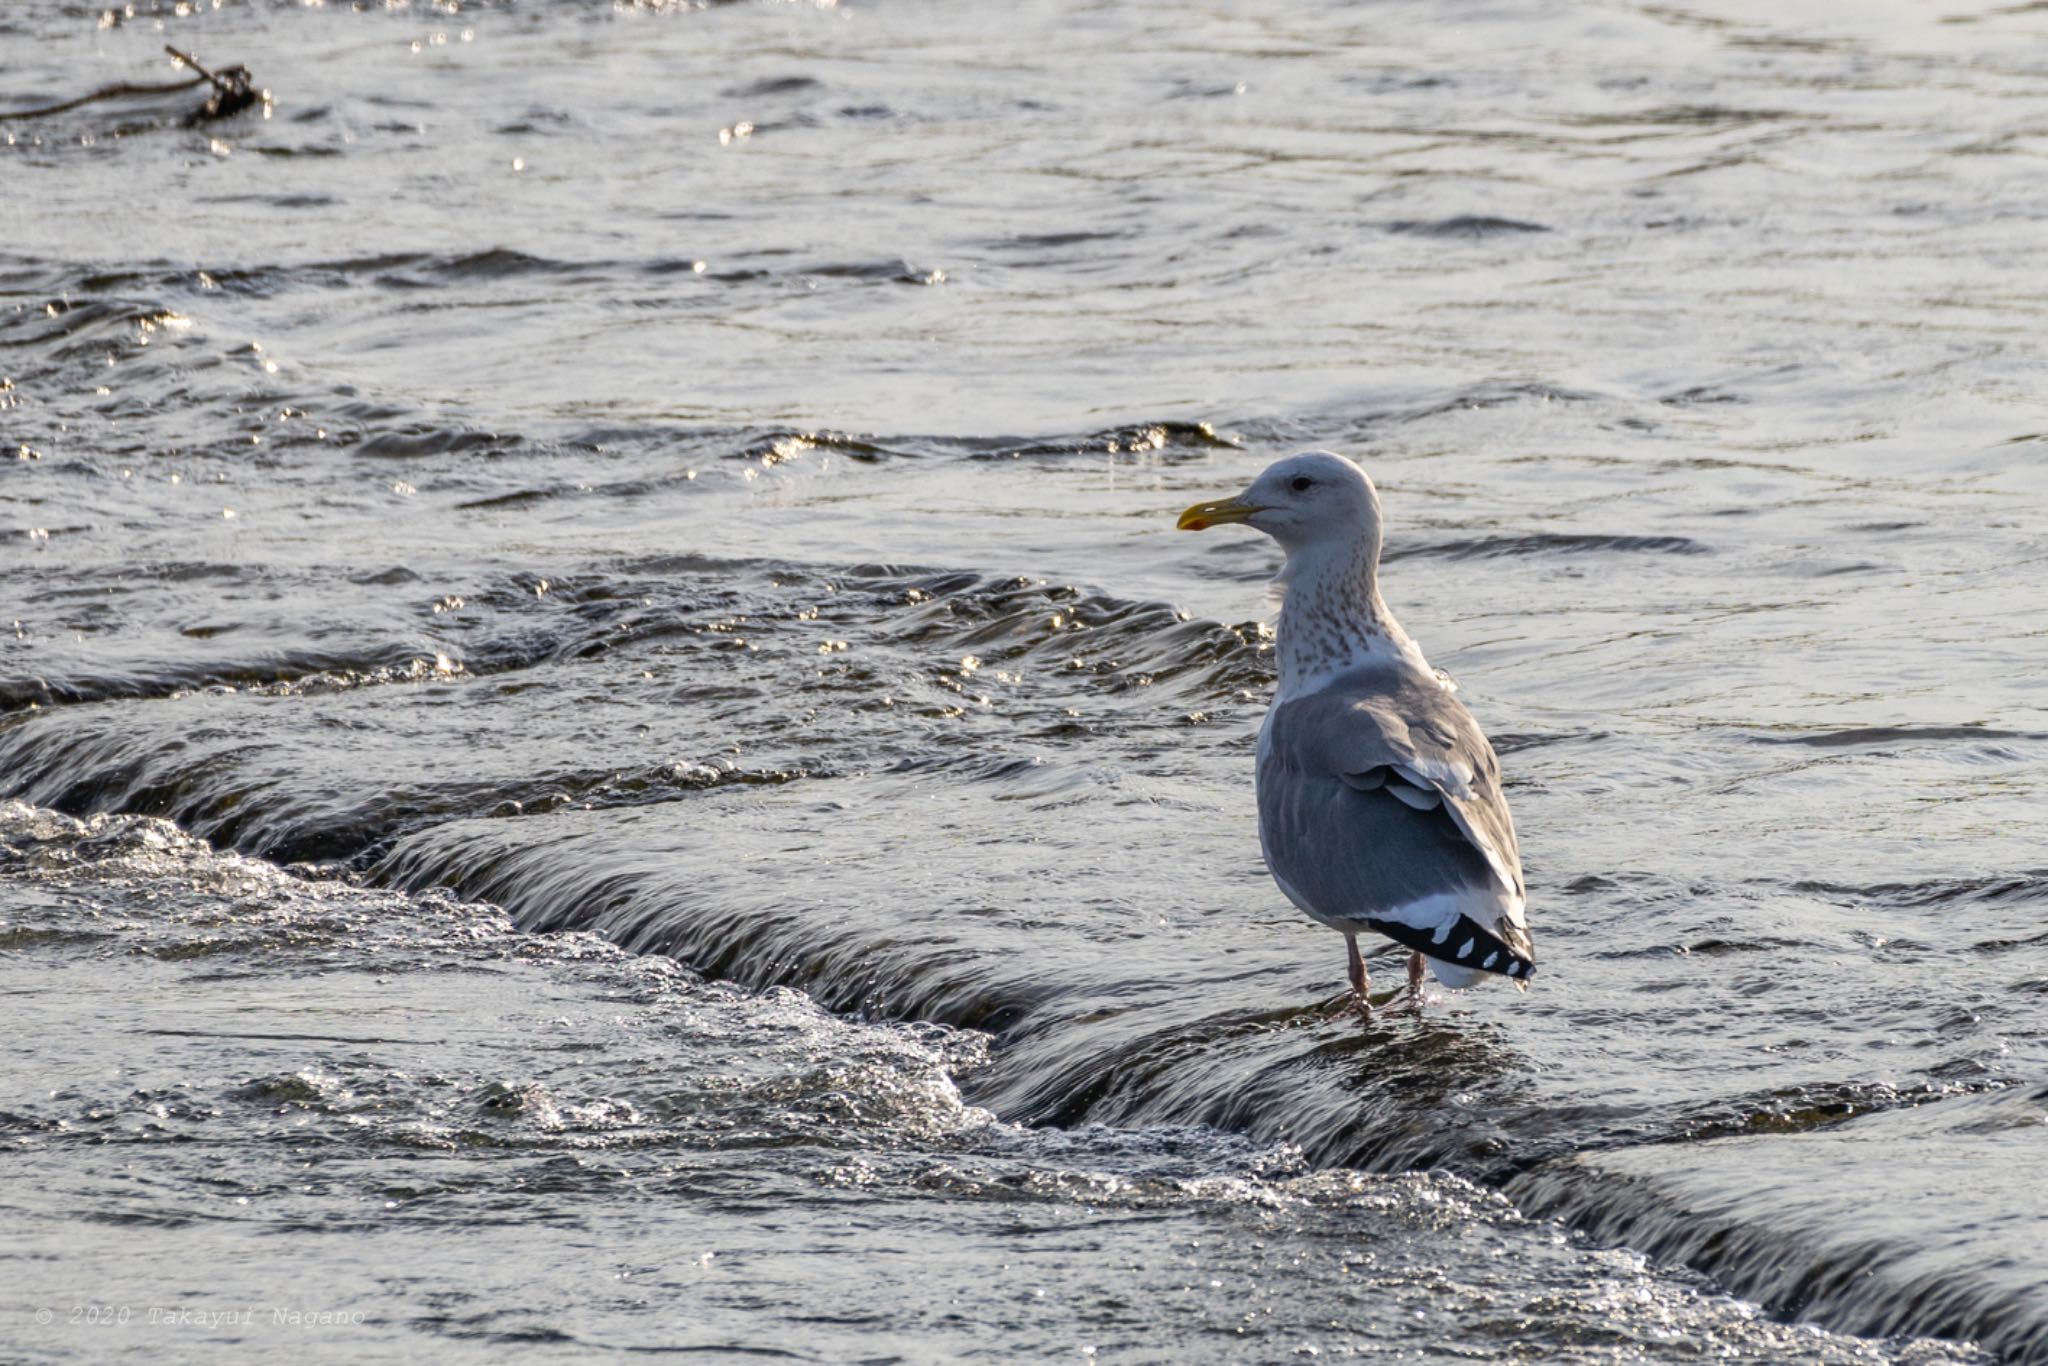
{"points": [[1332, 618]]}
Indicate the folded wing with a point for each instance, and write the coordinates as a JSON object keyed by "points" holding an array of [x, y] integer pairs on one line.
{"points": [[1380, 807]]}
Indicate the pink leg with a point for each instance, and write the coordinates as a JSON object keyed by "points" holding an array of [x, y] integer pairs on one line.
{"points": [[1358, 978], [1415, 977]]}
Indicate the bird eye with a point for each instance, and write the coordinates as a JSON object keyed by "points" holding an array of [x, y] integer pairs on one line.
{"points": [[1302, 483]]}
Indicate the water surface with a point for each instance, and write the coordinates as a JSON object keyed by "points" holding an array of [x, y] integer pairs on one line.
{"points": [[611, 747]]}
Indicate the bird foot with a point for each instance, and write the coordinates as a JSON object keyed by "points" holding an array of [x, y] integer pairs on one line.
{"points": [[1355, 963]]}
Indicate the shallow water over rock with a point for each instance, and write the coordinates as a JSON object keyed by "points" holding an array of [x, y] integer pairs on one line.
{"points": [[607, 729]]}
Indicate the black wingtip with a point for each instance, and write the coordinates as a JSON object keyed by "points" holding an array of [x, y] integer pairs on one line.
{"points": [[1464, 942]]}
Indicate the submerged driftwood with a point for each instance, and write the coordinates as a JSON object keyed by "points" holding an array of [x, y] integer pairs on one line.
{"points": [[233, 90]]}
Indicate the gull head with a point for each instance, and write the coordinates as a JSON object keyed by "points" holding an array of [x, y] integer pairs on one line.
{"points": [[1304, 502]]}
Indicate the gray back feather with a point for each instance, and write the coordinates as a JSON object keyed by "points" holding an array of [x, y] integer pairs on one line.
{"points": [[1331, 828]]}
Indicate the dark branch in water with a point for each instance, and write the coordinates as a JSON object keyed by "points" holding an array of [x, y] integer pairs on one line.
{"points": [[232, 93], [111, 92]]}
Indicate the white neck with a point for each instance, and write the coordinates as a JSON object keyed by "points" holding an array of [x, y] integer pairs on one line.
{"points": [[1332, 619]]}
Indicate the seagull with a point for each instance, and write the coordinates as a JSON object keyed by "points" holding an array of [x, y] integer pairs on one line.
{"points": [[1380, 807]]}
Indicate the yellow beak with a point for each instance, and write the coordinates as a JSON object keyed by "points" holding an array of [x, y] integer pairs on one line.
{"points": [[1202, 516]]}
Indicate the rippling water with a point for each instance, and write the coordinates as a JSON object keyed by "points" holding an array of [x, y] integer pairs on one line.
{"points": [[607, 744]]}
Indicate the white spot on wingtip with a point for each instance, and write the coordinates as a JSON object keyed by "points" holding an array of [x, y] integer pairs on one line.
{"points": [[1489, 959], [1465, 949]]}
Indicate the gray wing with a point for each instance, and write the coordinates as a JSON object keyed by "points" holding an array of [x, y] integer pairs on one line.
{"points": [[1378, 793]]}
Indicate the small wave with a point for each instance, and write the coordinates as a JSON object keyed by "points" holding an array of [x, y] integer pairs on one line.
{"points": [[1688, 116], [1465, 225], [1700, 394], [1053, 241], [414, 440], [1997, 887], [1547, 543], [67, 327], [891, 270], [1859, 736], [1165, 438], [1491, 394], [279, 201], [495, 263], [1513, 742], [775, 85], [1815, 1225], [783, 447], [281, 675]]}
